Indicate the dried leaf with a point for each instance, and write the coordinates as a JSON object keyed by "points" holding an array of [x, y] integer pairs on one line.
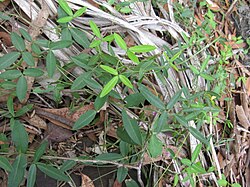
{"points": [[242, 117], [86, 181]]}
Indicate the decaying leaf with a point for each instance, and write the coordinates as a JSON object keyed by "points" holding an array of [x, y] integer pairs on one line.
{"points": [[242, 117], [86, 181]]}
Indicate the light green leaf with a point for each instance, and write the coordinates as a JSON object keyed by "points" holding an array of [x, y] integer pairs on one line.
{"points": [[236, 185], [8, 59], [19, 136], [64, 5], [222, 182], [186, 162], [25, 34], [142, 48], [155, 146], [197, 134], [120, 42], [126, 81], [95, 43], [17, 41], [79, 12], [31, 176], [194, 69], [95, 29], [80, 37], [33, 72], [133, 57], [109, 86], [5, 164], [207, 77], [174, 100], [21, 88], [53, 172], [40, 151], [50, 63], [84, 119], [24, 110], [154, 100], [196, 153], [28, 58], [65, 19], [60, 44], [132, 128], [109, 69], [125, 10], [16, 175], [10, 74], [121, 174]]}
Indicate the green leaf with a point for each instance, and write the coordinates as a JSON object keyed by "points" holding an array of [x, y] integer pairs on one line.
{"points": [[109, 86], [121, 174], [19, 136], [197, 134], [79, 82], [134, 99], [120, 42], [109, 69], [161, 121], [99, 102], [95, 29], [133, 57], [108, 38], [125, 10], [10, 105], [8, 59], [64, 5], [21, 88], [181, 120], [207, 77], [197, 168], [33, 72], [79, 12], [132, 128], [67, 165], [36, 49], [24, 110], [66, 35], [60, 44], [50, 63], [31, 176], [109, 156], [154, 100], [4, 16], [126, 81], [17, 41], [84, 119], [142, 48], [196, 153], [80, 37], [204, 64], [28, 58], [42, 43], [65, 19], [40, 151], [5, 164], [194, 69], [131, 183], [25, 34], [16, 175], [174, 100], [123, 135], [10, 74], [176, 179], [222, 182], [53, 172], [155, 146]]}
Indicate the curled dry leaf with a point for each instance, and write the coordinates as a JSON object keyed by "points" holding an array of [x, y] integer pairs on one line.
{"points": [[242, 117], [86, 181], [36, 121]]}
